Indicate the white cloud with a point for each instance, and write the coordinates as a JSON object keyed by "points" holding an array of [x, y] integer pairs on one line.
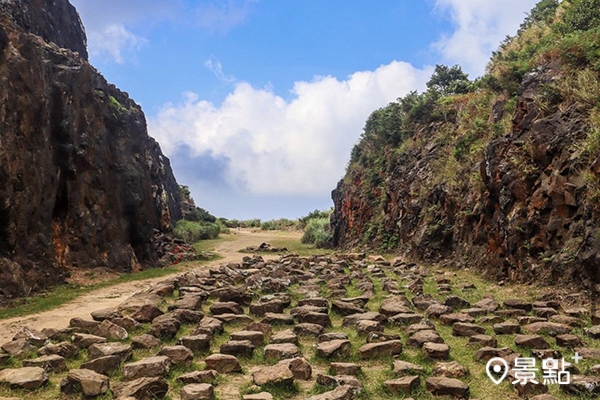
{"points": [[480, 27], [274, 146], [114, 41], [223, 15], [216, 68]]}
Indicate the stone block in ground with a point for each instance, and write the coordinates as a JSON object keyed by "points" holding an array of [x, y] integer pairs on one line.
{"points": [[86, 382], [145, 341], [258, 396], [110, 331], [308, 329], [328, 336], [344, 392], [234, 319], [550, 328], [82, 325], [197, 391], [335, 348], [588, 353], [209, 325], [314, 301], [281, 351], [363, 327], [206, 376], [229, 307], [436, 310], [238, 348], [142, 388], [418, 339], [103, 365], [383, 349], [146, 313], [436, 351], [257, 338], [568, 340], [147, 367], [486, 353], [507, 327], [350, 320], [565, 319], [482, 340], [127, 323], [518, 304], [165, 328], [531, 341], [344, 308], [442, 386], [18, 347], [403, 368], [450, 319], [51, 363], [177, 354], [85, 340], [223, 363], [98, 350], [405, 385], [273, 306], [344, 368], [278, 374], [338, 380], [299, 366], [450, 369], [285, 336], [28, 378], [467, 329], [33, 336], [189, 301], [277, 319], [196, 343], [404, 319], [395, 305], [456, 302]]}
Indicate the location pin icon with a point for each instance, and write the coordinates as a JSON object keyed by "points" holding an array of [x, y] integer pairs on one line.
{"points": [[494, 368]]}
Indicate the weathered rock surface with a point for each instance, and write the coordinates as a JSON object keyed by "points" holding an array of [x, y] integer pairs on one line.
{"points": [[82, 182]]}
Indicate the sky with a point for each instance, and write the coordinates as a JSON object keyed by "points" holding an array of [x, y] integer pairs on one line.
{"points": [[258, 103]]}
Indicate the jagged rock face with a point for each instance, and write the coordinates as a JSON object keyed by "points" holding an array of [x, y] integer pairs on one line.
{"points": [[53, 21], [530, 219], [81, 182]]}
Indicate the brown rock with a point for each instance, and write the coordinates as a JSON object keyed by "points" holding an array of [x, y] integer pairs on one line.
{"points": [[110, 349], [383, 349], [110, 331], [177, 354], [83, 326], [207, 376], [300, 368], [63, 349], [51, 363], [33, 336], [450, 319], [403, 368], [18, 347], [145, 341], [278, 374], [551, 328], [507, 328], [467, 329], [285, 336], [197, 391], [282, 351], [106, 313], [486, 353], [89, 383], [532, 341], [483, 340], [406, 384], [258, 396], [334, 348], [344, 392], [223, 363], [146, 313], [568, 340], [278, 319], [229, 307], [84, 340], [103, 365], [419, 338], [436, 351], [147, 367], [308, 329], [29, 378], [142, 388], [450, 369], [442, 386], [196, 343], [342, 368]]}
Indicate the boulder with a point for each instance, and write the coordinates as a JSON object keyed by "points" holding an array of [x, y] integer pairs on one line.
{"points": [[86, 382]]}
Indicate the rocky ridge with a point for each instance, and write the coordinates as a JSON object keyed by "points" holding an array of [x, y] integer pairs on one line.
{"points": [[81, 182]]}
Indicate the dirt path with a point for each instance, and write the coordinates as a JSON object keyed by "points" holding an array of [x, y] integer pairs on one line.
{"points": [[114, 295]]}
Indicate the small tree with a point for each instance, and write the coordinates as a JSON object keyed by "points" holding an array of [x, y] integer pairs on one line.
{"points": [[447, 81]]}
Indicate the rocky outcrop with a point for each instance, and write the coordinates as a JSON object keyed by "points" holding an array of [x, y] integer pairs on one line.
{"points": [[81, 182], [528, 217]]}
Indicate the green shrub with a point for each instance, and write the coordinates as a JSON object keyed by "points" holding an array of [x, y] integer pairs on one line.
{"points": [[279, 224], [191, 231], [318, 232]]}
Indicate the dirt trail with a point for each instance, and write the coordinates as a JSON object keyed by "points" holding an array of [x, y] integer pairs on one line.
{"points": [[114, 295]]}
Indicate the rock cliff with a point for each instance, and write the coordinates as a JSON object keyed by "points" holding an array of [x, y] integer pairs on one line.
{"points": [[503, 176], [81, 182]]}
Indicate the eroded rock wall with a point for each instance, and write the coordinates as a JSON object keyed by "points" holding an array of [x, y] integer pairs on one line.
{"points": [[81, 182], [531, 218]]}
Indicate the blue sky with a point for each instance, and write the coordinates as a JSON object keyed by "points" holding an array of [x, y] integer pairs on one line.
{"points": [[258, 102]]}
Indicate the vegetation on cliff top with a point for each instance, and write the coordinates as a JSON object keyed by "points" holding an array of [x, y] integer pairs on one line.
{"points": [[460, 118]]}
